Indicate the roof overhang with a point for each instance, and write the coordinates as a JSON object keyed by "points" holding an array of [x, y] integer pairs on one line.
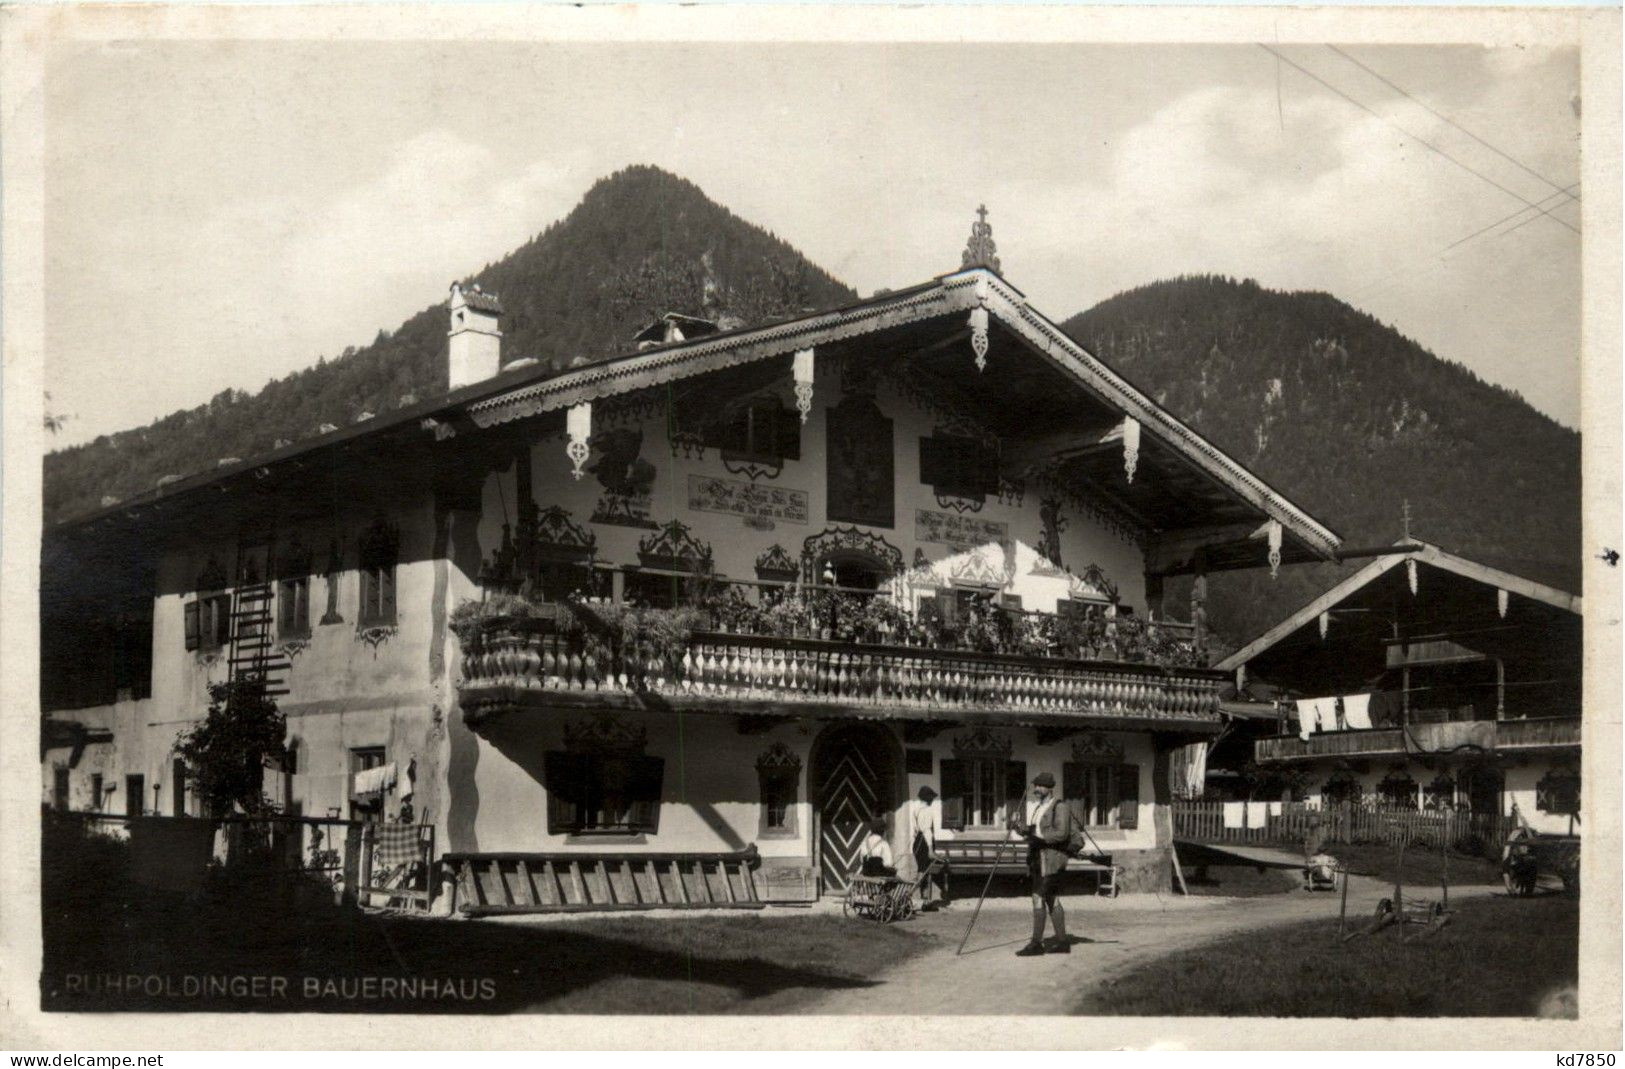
{"points": [[1421, 553], [1304, 538], [1168, 446]]}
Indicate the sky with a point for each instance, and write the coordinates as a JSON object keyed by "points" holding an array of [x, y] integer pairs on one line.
{"points": [[222, 213]]}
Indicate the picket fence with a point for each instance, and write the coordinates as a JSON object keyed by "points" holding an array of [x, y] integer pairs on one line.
{"points": [[1290, 824]]}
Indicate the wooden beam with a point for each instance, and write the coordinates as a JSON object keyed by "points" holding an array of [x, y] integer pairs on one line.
{"points": [[1170, 551], [1023, 457], [924, 730]]}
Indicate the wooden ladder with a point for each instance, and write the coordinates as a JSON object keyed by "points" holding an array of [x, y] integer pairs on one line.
{"points": [[580, 882]]}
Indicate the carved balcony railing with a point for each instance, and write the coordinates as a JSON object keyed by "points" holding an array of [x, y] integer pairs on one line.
{"points": [[1425, 739], [518, 665]]}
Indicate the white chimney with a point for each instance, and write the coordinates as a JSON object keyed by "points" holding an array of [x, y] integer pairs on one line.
{"points": [[474, 341]]}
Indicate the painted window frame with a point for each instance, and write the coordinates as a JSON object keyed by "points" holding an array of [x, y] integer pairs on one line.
{"points": [[576, 795], [780, 790], [293, 607], [1104, 794], [208, 622], [377, 595], [971, 782]]}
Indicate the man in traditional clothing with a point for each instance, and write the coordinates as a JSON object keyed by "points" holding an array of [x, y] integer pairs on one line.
{"points": [[1048, 831]]}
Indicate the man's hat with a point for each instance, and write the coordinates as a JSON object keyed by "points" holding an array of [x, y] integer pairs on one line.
{"points": [[1043, 779]]}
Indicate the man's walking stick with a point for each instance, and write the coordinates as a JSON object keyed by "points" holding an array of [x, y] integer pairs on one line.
{"points": [[997, 857]]}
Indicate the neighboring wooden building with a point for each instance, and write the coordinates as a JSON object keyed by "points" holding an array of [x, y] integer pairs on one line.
{"points": [[1429, 680], [944, 450]]}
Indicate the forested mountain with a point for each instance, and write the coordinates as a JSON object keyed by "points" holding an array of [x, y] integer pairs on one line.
{"points": [[1350, 419], [640, 243]]}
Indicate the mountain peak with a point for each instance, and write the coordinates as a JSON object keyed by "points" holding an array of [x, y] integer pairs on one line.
{"points": [[641, 243], [1350, 417]]}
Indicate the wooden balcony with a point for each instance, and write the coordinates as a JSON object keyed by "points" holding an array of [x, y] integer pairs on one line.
{"points": [[1546, 731], [1363, 743], [518, 667], [1429, 738]]}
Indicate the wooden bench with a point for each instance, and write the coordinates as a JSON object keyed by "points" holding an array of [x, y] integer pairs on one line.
{"points": [[984, 856]]}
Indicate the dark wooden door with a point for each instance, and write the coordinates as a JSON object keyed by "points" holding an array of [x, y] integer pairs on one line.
{"points": [[855, 767]]}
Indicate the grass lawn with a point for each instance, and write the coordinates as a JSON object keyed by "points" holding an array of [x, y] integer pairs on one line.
{"points": [[1422, 867], [1498, 957], [159, 945], [741, 963]]}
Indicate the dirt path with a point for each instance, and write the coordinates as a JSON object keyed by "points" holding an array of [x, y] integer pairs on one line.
{"points": [[1120, 934]]}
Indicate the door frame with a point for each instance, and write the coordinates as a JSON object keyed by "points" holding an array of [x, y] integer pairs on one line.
{"points": [[891, 750]]}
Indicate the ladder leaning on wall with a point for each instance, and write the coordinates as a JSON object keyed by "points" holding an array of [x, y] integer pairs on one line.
{"points": [[253, 657]]}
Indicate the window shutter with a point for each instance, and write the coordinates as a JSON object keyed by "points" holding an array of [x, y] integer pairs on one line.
{"points": [[647, 774], [386, 600], [1075, 791], [983, 467], [948, 607], [193, 632], [1015, 783], [787, 440], [220, 609], [1128, 797], [953, 794], [563, 772], [934, 465]]}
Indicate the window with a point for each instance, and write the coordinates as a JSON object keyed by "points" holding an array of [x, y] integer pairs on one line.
{"points": [[778, 772], [1440, 793], [96, 792], [379, 545], [293, 607], [1341, 788], [132, 653], [762, 430], [963, 467], [59, 788], [1102, 795], [603, 793], [981, 792], [208, 622], [1559, 792], [378, 595], [1397, 790], [135, 789], [370, 806]]}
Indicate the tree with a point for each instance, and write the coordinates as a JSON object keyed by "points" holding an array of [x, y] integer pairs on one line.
{"points": [[226, 753], [54, 421]]}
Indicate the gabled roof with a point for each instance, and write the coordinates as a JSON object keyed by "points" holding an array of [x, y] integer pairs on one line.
{"points": [[965, 291], [1424, 554], [523, 390]]}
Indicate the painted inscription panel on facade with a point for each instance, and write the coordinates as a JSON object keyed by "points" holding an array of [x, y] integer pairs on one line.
{"points": [[750, 500], [958, 531]]}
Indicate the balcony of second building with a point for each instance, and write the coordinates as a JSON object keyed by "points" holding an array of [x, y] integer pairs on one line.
{"points": [[1421, 736]]}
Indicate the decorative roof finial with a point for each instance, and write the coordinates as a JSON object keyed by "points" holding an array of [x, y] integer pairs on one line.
{"points": [[980, 250], [1405, 517]]}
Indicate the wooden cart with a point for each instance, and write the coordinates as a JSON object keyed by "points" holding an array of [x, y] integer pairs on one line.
{"points": [[880, 898], [1528, 857]]}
